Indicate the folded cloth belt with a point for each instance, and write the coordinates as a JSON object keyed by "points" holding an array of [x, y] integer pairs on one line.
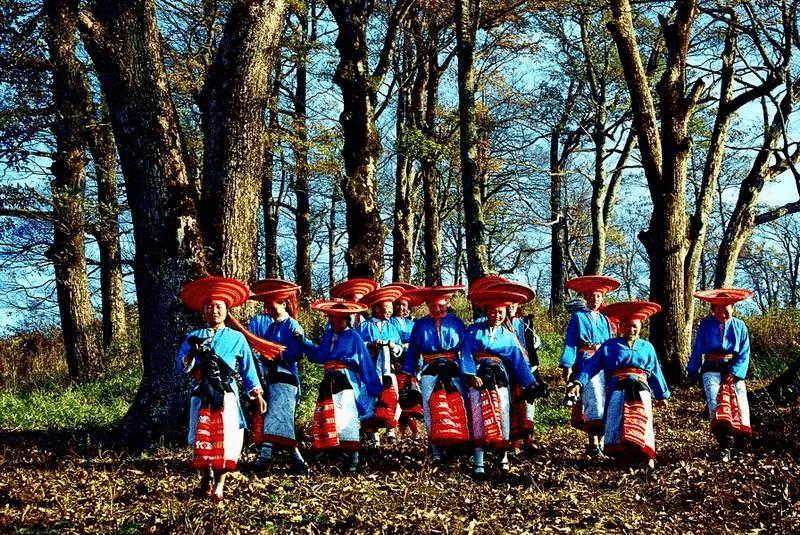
{"points": [[589, 348], [635, 373], [719, 356], [335, 365], [427, 358], [483, 356]]}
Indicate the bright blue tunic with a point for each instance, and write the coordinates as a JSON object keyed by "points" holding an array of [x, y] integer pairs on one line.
{"points": [[283, 332], [259, 323], [710, 339], [374, 329], [233, 349], [426, 338], [615, 354], [349, 348], [403, 326], [501, 342], [584, 327]]}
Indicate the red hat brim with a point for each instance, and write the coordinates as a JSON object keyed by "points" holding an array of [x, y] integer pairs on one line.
{"points": [[196, 294], [381, 295], [723, 296], [278, 294], [412, 301], [492, 296], [351, 287], [631, 310], [434, 293], [487, 280], [524, 293], [592, 283], [267, 285], [338, 308]]}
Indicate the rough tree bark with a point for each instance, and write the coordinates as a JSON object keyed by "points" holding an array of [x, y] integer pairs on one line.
{"points": [[233, 102], [106, 234], [467, 16], [73, 118], [664, 152], [123, 41]]}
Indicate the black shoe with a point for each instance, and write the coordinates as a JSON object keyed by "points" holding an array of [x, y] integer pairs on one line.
{"points": [[300, 469], [479, 474], [593, 450], [262, 464]]}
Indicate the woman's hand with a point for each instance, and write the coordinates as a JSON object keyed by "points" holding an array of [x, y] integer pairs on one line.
{"points": [[262, 403], [565, 373], [662, 403], [476, 382]]}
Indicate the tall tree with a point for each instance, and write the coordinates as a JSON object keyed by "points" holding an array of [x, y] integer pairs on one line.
{"points": [[467, 14], [362, 143], [73, 117], [123, 41], [233, 101]]}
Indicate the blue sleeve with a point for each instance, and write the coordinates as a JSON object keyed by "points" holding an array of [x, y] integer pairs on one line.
{"points": [[411, 357], [247, 367], [592, 366], [368, 373], [656, 379], [571, 340], [696, 359], [183, 351], [519, 364], [742, 360]]}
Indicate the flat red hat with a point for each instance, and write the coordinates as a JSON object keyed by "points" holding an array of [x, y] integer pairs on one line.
{"points": [[196, 294], [351, 287], [486, 280], [381, 295], [267, 285], [492, 296], [338, 308], [525, 293], [412, 301], [277, 294], [433, 293], [631, 310], [723, 296], [592, 283]]}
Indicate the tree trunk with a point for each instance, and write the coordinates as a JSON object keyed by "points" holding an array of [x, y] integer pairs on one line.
{"points": [[270, 211], [73, 113], [124, 44], [664, 155], [362, 145], [558, 273], [104, 154], [467, 18], [233, 101], [303, 205]]}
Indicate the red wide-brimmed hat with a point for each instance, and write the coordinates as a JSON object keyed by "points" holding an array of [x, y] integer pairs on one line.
{"points": [[526, 293], [196, 294], [487, 280], [493, 296], [412, 301], [278, 294], [631, 310], [723, 296], [592, 283], [347, 289], [433, 293], [381, 295], [267, 285], [338, 308]]}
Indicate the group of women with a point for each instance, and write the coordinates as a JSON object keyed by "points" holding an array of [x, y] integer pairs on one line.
{"points": [[473, 385]]}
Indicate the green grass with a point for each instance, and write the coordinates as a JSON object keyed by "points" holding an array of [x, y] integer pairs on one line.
{"points": [[46, 405]]}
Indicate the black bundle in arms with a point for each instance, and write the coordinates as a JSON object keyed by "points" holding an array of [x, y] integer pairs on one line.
{"points": [[215, 375]]}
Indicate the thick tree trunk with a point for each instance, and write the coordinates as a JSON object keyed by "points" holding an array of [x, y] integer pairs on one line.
{"points": [[467, 18], [558, 273], [106, 233], [270, 211], [124, 44], [664, 155], [362, 146], [233, 102], [73, 113]]}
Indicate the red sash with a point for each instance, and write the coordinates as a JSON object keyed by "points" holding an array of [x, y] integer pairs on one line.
{"points": [[490, 412], [324, 425], [208, 440], [729, 416], [258, 427], [448, 418], [386, 407], [521, 425], [634, 424]]}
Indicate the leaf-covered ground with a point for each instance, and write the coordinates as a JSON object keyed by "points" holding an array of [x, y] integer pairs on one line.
{"points": [[62, 482]]}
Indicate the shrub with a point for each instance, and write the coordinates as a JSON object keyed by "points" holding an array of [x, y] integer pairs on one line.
{"points": [[774, 341]]}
